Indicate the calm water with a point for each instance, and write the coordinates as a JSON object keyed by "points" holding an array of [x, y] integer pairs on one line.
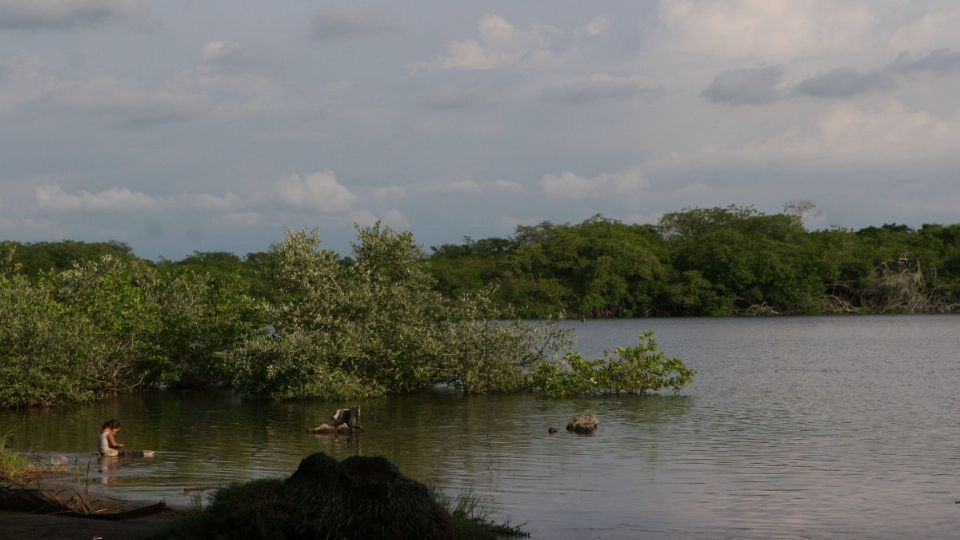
{"points": [[795, 428]]}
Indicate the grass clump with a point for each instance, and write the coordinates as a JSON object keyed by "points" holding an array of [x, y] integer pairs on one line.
{"points": [[472, 517], [240, 510], [248, 510], [14, 467]]}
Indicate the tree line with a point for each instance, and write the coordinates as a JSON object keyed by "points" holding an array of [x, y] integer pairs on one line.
{"points": [[709, 261]]}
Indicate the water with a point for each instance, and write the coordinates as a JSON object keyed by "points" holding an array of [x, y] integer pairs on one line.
{"points": [[794, 428]]}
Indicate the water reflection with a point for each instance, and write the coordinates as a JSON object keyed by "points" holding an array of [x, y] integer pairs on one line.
{"points": [[802, 427], [109, 466]]}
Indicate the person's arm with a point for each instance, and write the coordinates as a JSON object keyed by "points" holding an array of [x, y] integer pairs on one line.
{"points": [[113, 442]]}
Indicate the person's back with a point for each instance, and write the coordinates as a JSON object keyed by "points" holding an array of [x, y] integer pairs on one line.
{"points": [[104, 445]]}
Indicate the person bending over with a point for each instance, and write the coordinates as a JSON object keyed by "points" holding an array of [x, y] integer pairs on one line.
{"points": [[108, 439]]}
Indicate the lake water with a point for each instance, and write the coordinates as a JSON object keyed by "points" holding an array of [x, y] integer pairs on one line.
{"points": [[811, 427]]}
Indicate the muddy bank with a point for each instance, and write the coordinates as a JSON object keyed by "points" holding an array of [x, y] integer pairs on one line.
{"points": [[53, 527]]}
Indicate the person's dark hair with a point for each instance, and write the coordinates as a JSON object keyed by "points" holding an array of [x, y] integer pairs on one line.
{"points": [[113, 423]]}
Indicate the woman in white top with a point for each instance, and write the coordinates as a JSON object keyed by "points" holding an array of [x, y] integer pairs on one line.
{"points": [[107, 442]]}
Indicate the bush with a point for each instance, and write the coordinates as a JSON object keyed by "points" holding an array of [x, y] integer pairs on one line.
{"points": [[634, 370], [377, 324]]}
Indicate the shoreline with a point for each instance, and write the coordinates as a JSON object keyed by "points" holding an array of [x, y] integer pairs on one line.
{"points": [[15, 524]]}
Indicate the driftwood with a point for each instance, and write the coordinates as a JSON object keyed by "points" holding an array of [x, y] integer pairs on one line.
{"points": [[344, 421], [68, 502]]}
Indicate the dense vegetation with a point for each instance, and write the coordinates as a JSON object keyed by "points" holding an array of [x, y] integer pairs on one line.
{"points": [[79, 321], [714, 261], [297, 322]]}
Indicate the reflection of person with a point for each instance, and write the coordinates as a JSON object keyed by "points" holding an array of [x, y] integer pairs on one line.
{"points": [[109, 468], [107, 442]]}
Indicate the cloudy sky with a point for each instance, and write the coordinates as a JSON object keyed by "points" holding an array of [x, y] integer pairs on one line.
{"points": [[180, 125]]}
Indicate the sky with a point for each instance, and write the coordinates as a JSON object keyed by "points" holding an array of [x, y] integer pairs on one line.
{"points": [[179, 126]]}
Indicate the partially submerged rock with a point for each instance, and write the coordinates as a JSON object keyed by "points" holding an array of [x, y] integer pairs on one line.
{"points": [[583, 423], [359, 498], [362, 497]]}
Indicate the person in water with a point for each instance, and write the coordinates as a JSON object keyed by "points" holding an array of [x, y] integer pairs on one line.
{"points": [[107, 443]]}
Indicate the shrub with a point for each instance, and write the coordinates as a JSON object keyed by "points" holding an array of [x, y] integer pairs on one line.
{"points": [[634, 370]]}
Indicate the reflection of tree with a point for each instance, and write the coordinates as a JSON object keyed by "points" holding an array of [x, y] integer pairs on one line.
{"points": [[449, 439]]}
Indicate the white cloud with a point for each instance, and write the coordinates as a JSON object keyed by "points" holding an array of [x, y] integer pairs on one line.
{"points": [[231, 205], [395, 219], [226, 201], [230, 55], [319, 191], [595, 28], [33, 88], [569, 186], [36, 14], [931, 31], [472, 186], [771, 30], [52, 197], [500, 45], [363, 218], [880, 131]]}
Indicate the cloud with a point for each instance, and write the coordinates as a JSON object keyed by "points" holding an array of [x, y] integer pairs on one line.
{"points": [[844, 82], [938, 61], [205, 91], [32, 88], [460, 100], [318, 191], [58, 14], [346, 23], [226, 201], [230, 55], [500, 45], [569, 186], [930, 31], [771, 30], [746, 86], [52, 197], [472, 186], [395, 219], [124, 103], [242, 218], [882, 131], [601, 87], [594, 28], [389, 193]]}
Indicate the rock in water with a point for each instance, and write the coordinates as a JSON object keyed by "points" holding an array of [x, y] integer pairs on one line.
{"points": [[362, 497], [583, 423]]}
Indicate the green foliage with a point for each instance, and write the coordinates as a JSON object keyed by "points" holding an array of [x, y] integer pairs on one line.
{"points": [[709, 261], [471, 517], [376, 324], [201, 316], [14, 467], [634, 370], [33, 259]]}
